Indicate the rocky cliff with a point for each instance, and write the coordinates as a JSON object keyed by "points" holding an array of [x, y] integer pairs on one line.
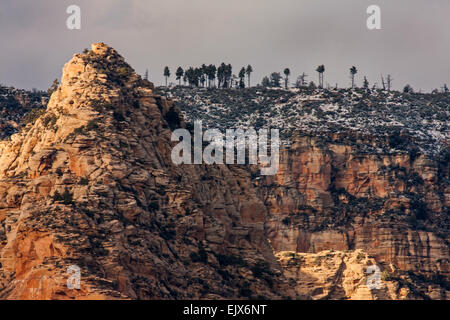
{"points": [[359, 170], [90, 183], [330, 196]]}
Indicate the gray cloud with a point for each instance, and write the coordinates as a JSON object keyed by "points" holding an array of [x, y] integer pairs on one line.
{"points": [[413, 46]]}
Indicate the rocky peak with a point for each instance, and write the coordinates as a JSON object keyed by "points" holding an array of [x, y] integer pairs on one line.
{"points": [[91, 183], [102, 70]]}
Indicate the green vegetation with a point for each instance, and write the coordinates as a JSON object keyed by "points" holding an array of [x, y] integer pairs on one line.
{"points": [[49, 120], [53, 87], [33, 115], [65, 198], [166, 73], [230, 260], [92, 125], [123, 71], [200, 256], [84, 181], [386, 276]]}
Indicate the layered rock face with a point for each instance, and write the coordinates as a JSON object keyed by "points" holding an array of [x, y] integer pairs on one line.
{"points": [[361, 169], [328, 195], [91, 184], [333, 274]]}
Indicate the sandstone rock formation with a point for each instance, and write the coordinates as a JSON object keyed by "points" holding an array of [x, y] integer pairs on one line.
{"points": [[91, 184], [360, 170], [338, 275], [329, 196]]}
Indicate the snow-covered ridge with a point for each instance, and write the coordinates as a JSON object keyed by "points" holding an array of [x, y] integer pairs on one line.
{"points": [[405, 120]]}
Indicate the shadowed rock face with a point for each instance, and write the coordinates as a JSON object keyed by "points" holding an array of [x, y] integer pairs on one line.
{"points": [[349, 178], [91, 183], [328, 196]]}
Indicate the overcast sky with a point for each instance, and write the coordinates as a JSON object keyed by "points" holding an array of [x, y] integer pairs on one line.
{"points": [[413, 45]]}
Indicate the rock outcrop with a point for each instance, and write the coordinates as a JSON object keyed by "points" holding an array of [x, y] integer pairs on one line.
{"points": [[360, 170], [339, 275], [91, 184], [329, 196]]}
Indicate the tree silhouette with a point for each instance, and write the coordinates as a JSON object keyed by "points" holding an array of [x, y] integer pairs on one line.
{"points": [[249, 71], [211, 71], [275, 79], [366, 83], [408, 89], [353, 71], [224, 75], [192, 76], [198, 73], [166, 74], [179, 73], [221, 74], [202, 79], [266, 82], [228, 75], [241, 78], [383, 82], [287, 73], [146, 74], [204, 75], [321, 69]]}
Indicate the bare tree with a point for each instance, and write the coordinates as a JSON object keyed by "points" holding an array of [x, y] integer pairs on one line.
{"points": [[301, 80], [389, 80], [366, 83], [382, 82]]}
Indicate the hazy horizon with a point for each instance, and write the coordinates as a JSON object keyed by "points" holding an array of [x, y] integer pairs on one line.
{"points": [[413, 45]]}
